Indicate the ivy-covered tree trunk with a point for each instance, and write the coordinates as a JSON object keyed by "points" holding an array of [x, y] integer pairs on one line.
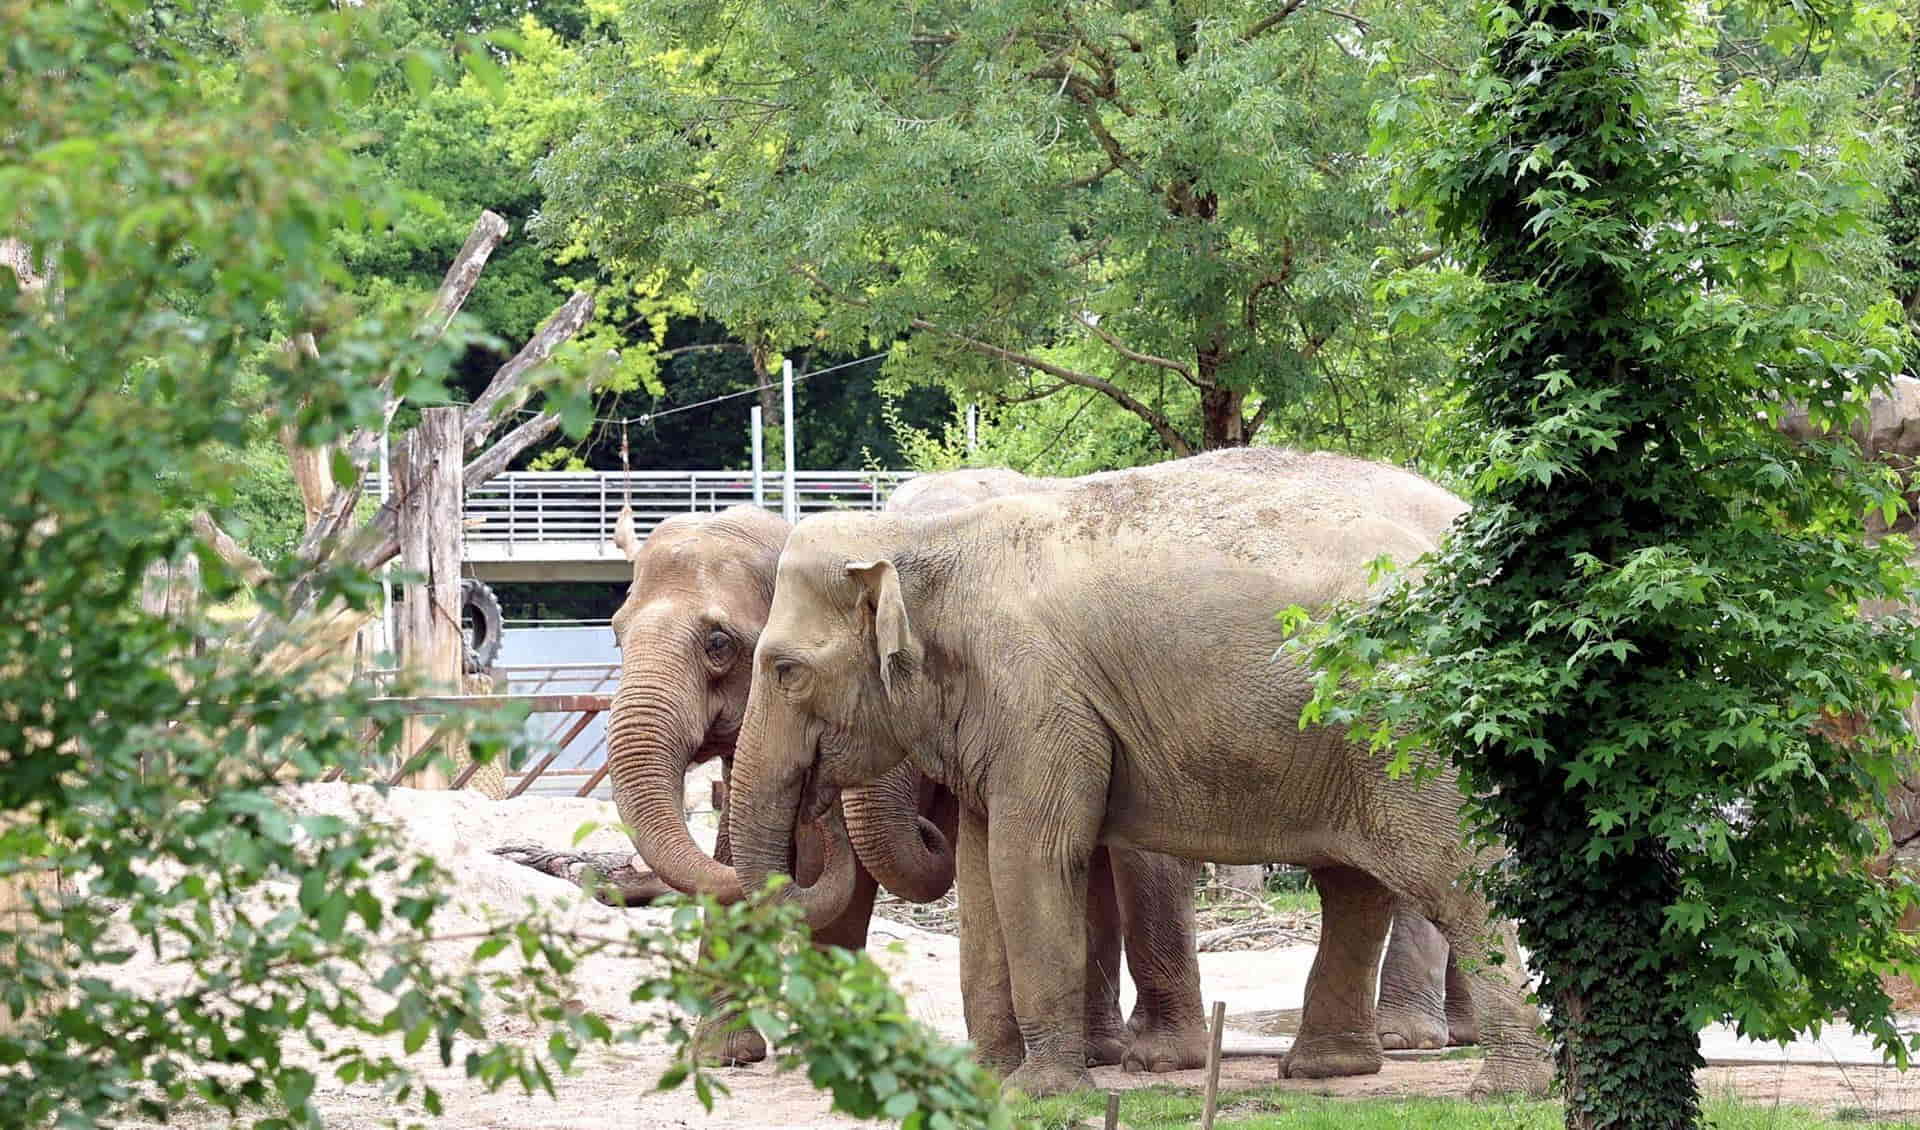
{"points": [[1629, 645], [1903, 204], [1626, 1054]]}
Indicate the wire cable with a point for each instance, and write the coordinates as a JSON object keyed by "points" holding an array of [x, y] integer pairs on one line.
{"points": [[649, 417]]}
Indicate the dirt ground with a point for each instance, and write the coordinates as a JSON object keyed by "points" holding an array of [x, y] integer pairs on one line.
{"points": [[615, 1088]]}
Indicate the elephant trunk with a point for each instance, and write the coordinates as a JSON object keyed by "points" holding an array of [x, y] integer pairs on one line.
{"points": [[764, 808], [659, 720], [905, 851]]}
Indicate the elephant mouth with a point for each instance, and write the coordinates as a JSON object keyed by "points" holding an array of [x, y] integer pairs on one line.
{"points": [[816, 799]]}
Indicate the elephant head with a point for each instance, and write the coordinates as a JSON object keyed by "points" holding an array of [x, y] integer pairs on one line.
{"points": [[838, 684], [702, 587]]}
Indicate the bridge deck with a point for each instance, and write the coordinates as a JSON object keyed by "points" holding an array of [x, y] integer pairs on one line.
{"points": [[558, 525]]}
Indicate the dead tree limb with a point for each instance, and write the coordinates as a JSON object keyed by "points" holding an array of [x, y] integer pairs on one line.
{"points": [[505, 392]]}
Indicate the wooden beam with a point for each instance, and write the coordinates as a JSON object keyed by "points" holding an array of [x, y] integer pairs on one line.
{"points": [[431, 644], [533, 774], [535, 703]]}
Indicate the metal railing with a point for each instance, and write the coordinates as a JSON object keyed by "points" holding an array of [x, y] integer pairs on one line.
{"points": [[537, 507]]}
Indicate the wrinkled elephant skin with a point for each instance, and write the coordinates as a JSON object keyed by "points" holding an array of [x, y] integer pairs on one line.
{"points": [[1100, 665]]}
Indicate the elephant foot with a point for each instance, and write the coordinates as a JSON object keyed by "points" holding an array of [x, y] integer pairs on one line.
{"points": [[1462, 1033], [1105, 1048], [1107, 1035], [1000, 1059], [714, 1045], [1527, 1076], [1324, 1057], [1156, 1048], [1038, 1081], [1402, 1030]]}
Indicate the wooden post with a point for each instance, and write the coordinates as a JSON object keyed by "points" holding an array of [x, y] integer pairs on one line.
{"points": [[17, 917], [429, 522], [1113, 1110], [1213, 1065]]}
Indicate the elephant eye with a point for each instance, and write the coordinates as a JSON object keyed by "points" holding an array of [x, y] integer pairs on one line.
{"points": [[719, 645], [788, 674]]}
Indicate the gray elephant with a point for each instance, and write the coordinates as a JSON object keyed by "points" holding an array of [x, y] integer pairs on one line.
{"points": [[1098, 665], [687, 630], [1139, 901], [1423, 1001]]}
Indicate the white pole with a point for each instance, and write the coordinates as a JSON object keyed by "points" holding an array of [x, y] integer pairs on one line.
{"points": [[386, 571], [759, 459], [789, 501], [973, 427]]}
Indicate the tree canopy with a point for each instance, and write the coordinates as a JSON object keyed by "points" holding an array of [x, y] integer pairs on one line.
{"points": [[168, 218], [1169, 205]]}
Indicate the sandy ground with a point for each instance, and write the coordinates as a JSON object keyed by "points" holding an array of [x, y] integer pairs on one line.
{"points": [[615, 1088]]}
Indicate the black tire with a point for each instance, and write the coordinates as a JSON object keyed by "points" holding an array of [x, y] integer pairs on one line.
{"points": [[481, 624]]}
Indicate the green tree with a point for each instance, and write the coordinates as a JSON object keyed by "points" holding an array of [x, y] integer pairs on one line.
{"points": [[1642, 646], [1168, 204], [165, 213], [1903, 210]]}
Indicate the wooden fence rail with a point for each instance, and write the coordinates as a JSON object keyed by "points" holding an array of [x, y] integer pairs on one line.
{"points": [[577, 711]]}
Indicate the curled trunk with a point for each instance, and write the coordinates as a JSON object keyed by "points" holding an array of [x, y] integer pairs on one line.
{"points": [[659, 720], [766, 794], [905, 851]]}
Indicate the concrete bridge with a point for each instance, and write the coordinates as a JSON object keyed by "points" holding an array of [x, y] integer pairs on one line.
{"points": [[558, 525]]}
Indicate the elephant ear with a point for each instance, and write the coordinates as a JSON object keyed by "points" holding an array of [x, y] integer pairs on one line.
{"points": [[623, 535], [892, 630]]}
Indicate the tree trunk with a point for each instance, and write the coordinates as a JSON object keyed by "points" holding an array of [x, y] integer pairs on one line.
{"points": [[430, 542], [1222, 423], [1248, 879]]}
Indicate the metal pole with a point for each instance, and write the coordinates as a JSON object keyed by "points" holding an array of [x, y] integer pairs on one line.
{"points": [[759, 460], [973, 427], [790, 501]]}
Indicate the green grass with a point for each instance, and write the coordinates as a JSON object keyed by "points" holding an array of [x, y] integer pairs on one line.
{"points": [[1166, 1108], [1284, 902]]}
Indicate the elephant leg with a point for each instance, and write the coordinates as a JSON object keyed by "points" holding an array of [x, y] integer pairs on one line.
{"points": [[1338, 1033], [1462, 1028], [1169, 1023], [1508, 1024], [1039, 854], [723, 1038], [986, 990], [1413, 984], [1107, 1033]]}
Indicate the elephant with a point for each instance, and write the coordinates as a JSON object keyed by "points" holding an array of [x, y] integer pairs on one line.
{"points": [[700, 594], [1423, 1001], [1140, 900], [1100, 664]]}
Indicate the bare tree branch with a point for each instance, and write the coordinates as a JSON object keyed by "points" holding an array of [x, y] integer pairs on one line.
{"points": [[379, 540], [229, 550], [455, 286], [312, 467], [1161, 426], [460, 278], [1030, 397], [504, 390], [1258, 418], [1171, 366], [711, 347], [1268, 22], [1357, 21]]}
